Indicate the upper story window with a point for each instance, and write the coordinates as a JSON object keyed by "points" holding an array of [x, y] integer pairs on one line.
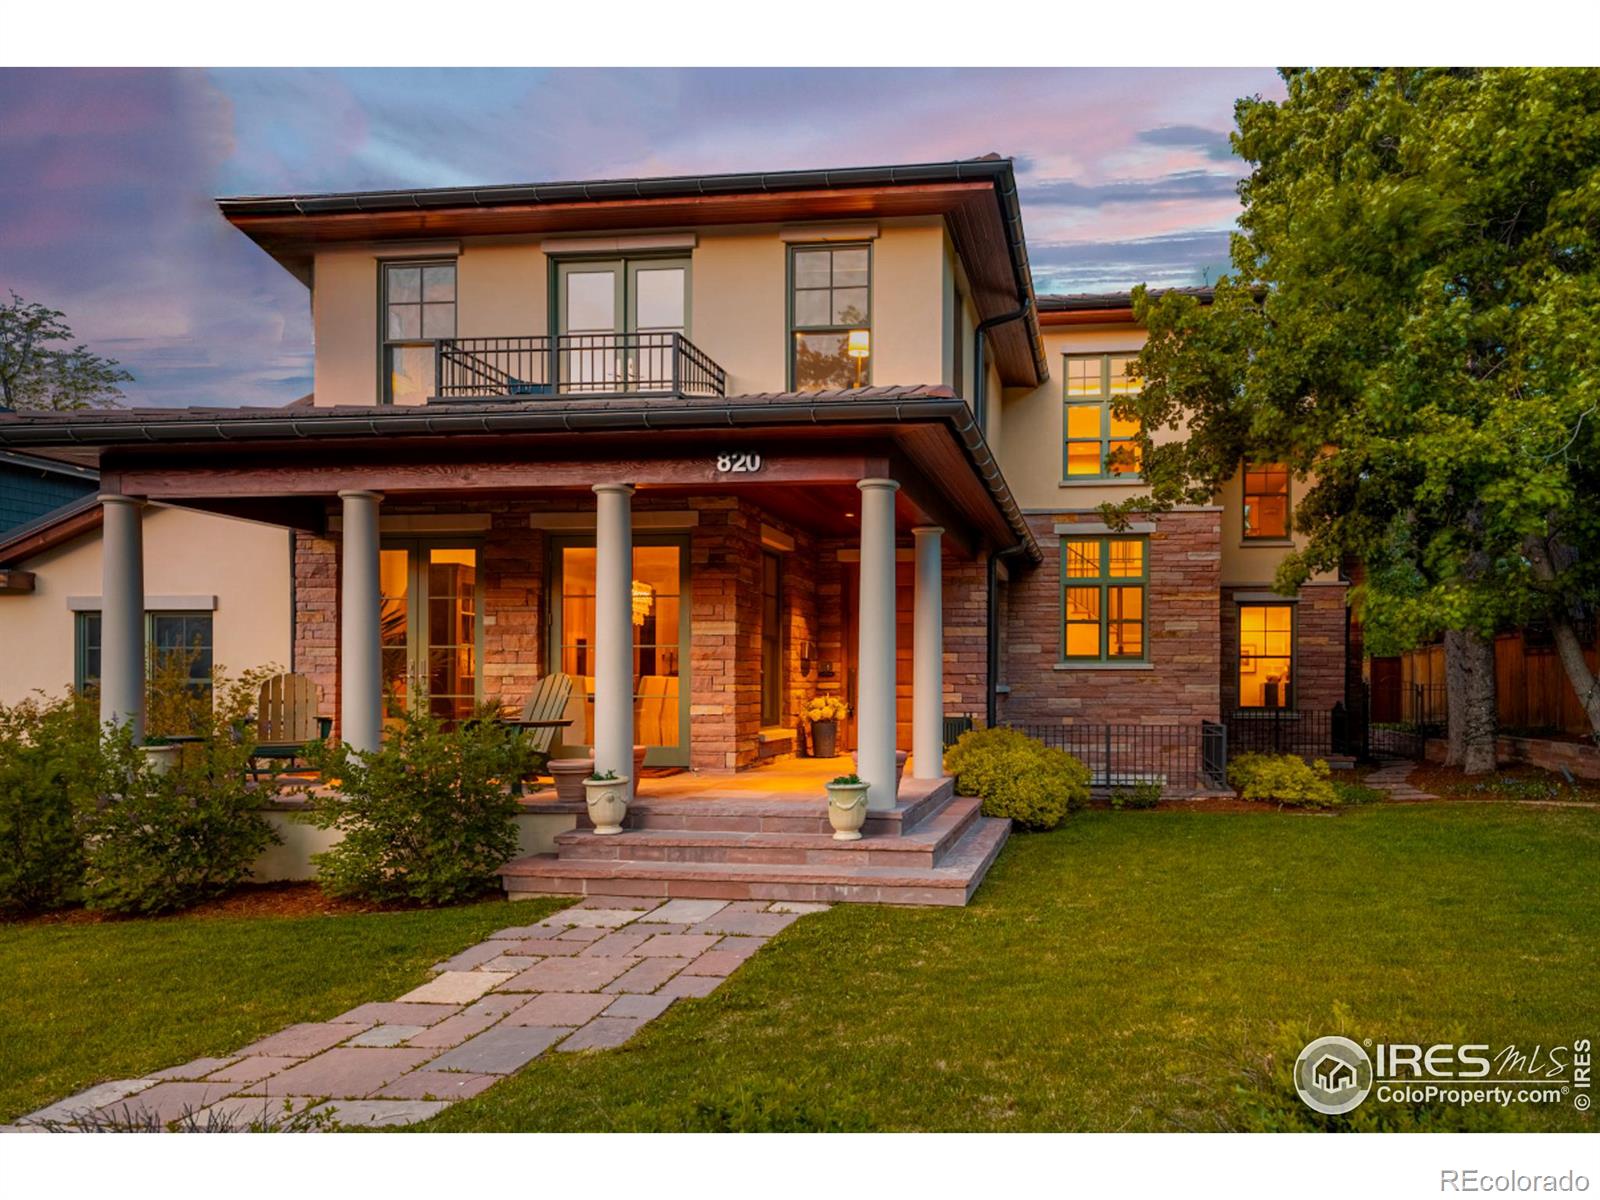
{"points": [[1098, 444], [1266, 500], [830, 317], [419, 308], [1103, 581]]}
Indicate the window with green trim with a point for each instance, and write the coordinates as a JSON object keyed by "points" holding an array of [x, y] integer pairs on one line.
{"points": [[1103, 583], [1097, 444], [170, 638], [419, 308], [830, 317]]}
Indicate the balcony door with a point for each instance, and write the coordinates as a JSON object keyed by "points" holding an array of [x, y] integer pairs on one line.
{"points": [[660, 642], [615, 320], [431, 626]]}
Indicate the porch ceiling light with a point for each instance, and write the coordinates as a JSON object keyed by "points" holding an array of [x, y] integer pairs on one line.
{"points": [[644, 599], [860, 344]]}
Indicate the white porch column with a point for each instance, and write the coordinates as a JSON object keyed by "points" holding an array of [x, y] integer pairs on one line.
{"points": [[927, 668], [613, 628], [122, 613], [875, 654], [360, 642]]}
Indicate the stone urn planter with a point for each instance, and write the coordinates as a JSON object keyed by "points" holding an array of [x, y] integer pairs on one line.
{"points": [[569, 774], [607, 798], [162, 756], [847, 807], [824, 739]]}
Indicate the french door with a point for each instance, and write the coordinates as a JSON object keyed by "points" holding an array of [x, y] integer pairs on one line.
{"points": [[616, 320], [431, 626], [660, 641]]}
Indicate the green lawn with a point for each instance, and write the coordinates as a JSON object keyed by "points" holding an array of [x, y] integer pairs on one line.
{"points": [[85, 1003], [1129, 971]]}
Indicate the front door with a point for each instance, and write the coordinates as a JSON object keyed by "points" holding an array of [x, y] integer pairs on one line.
{"points": [[431, 626], [660, 642], [616, 320]]}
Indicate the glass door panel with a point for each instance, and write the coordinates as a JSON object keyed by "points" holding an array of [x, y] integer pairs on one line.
{"points": [[452, 632], [591, 311], [657, 309], [658, 638], [394, 627]]}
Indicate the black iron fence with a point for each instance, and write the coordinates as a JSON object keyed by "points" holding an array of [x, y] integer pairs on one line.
{"points": [[1422, 715], [583, 364], [1180, 758]]}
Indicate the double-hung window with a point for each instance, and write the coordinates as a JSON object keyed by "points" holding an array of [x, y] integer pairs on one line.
{"points": [[1266, 656], [173, 641], [1098, 444], [1103, 585], [830, 317], [419, 308], [1266, 501]]}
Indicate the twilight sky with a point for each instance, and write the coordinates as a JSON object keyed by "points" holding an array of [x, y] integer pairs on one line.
{"points": [[107, 177]]}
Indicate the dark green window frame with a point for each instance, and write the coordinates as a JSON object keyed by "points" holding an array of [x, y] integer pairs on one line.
{"points": [[773, 639], [797, 327], [157, 626], [1105, 437], [1109, 588], [388, 342]]}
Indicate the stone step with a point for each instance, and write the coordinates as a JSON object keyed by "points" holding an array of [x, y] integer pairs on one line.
{"points": [[924, 846], [950, 883], [919, 801]]}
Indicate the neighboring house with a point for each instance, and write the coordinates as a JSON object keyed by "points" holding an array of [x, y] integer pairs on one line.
{"points": [[218, 588], [709, 445], [32, 485]]}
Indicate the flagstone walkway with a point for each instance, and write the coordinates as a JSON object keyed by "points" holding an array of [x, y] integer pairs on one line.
{"points": [[586, 978]]}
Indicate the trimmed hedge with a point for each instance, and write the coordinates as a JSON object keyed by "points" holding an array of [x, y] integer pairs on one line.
{"points": [[1017, 776], [1283, 779]]}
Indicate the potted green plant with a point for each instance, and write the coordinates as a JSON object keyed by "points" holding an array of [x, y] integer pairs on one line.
{"points": [[847, 807], [161, 753], [606, 794], [825, 712]]}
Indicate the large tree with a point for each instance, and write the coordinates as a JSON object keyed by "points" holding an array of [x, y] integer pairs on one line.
{"points": [[42, 367], [1411, 323]]}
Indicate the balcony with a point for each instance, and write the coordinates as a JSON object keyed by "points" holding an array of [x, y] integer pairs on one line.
{"points": [[595, 365]]}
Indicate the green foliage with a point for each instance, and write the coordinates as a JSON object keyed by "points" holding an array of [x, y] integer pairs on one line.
{"points": [[426, 818], [1283, 779], [50, 767], [41, 368], [1412, 324], [851, 780], [1018, 777], [1350, 792], [161, 842], [1265, 1099], [1140, 795]]}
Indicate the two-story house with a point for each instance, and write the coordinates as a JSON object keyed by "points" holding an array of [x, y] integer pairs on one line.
{"points": [[710, 446]]}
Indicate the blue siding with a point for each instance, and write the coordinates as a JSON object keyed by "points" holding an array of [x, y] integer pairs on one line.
{"points": [[27, 494]]}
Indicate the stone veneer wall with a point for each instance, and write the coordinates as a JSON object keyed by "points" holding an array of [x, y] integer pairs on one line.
{"points": [[316, 619], [1179, 686], [1320, 667]]}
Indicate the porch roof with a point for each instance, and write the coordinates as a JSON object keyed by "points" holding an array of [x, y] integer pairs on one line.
{"points": [[929, 424]]}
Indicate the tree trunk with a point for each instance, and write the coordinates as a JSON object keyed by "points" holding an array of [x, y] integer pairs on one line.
{"points": [[1471, 720], [1568, 648]]}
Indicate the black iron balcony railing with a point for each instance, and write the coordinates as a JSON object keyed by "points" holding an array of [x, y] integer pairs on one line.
{"points": [[575, 364]]}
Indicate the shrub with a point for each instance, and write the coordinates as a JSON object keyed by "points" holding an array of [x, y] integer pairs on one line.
{"points": [[164, 842], [1140, 795], [50, 769], [1018, 777], [1283, 779], [427, 818]]}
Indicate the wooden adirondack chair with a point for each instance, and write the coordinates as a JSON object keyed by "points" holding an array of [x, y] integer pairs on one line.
{"points": [[287, 720], [548, 703]]}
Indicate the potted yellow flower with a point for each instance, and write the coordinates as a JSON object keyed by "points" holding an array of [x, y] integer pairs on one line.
{"points": [[825, 712]]}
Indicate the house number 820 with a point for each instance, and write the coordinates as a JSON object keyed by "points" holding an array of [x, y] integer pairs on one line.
{"points": [[738, 464]]}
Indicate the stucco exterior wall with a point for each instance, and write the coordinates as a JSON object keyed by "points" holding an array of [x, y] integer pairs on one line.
{"points": [[243, 564]]}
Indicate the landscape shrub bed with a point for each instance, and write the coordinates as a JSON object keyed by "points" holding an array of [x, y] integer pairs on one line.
{"points": [[1018, 777], [428, 818], [1283, 779]]}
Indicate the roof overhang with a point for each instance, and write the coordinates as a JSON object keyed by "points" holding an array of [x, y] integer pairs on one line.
{"points": [[976, 198], [233, 458], [48, 531]]}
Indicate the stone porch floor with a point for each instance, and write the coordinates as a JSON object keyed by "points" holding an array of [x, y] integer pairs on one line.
{"points": [[586, 978], [790, 779]]}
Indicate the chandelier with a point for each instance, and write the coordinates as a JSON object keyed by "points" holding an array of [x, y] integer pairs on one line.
{"points": [[644, 599]]}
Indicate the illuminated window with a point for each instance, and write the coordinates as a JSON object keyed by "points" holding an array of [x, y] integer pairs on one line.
{"points": [[1266, 500], [830, 317], [1098, 443], [1266, 655], [1103, 598]]}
